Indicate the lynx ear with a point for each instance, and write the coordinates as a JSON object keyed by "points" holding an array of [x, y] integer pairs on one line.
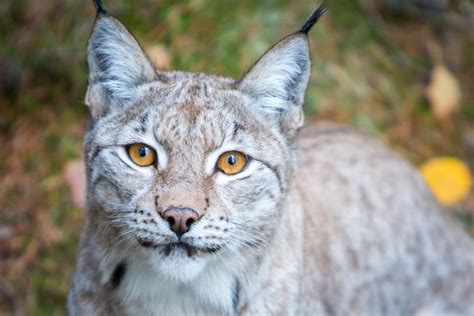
{"points": [[117, 65], [277, 82]]}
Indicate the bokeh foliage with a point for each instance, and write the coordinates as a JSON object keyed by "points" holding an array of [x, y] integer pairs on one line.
{"points": [[369, 69]]}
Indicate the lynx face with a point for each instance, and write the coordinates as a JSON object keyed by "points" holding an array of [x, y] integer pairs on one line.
{"points": [[156, 184]]}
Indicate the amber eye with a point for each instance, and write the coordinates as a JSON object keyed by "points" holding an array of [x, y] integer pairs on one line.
{"points": [[231, 162], [141, 154]]}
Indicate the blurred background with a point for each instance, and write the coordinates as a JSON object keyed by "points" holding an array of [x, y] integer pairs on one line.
{"points": [[402, 71]]}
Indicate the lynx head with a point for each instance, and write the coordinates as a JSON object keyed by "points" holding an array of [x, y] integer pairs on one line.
{"points": [[188, 170]]}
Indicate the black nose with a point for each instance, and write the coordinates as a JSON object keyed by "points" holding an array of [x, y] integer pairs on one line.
{"points": [[180, 219]]}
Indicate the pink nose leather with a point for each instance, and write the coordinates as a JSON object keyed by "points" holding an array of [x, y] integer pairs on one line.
{"points": [[180, 219]]}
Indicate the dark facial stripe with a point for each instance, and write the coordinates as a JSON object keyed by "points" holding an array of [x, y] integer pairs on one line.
{"points": [[235, 296], [244, 178], [237, 128], [117, 275], [144, 118], [102, 177], [277, 175], [119, 158], [96, 152]]}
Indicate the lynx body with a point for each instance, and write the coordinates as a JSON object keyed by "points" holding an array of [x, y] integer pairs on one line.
{"points": [[321, 221]]}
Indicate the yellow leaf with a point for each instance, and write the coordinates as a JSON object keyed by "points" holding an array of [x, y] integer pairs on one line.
{"points": [[448, 178]]}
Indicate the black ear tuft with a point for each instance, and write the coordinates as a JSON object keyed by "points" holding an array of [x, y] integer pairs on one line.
{"points": [[313, 18], [99, 6]]}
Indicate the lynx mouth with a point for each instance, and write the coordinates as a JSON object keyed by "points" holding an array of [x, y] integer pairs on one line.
{"points": [[167, 249], [147, 243]]}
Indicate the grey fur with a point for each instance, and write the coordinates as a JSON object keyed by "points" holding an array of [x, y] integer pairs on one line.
{"points": [[352, 230]]}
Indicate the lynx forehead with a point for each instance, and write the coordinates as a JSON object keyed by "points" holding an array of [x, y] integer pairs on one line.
{"points": [[195, 205]]}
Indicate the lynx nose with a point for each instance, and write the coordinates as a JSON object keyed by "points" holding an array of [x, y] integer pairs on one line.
{"points": [[180, 219]]}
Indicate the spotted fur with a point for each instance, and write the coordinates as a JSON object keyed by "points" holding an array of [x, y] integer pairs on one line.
{"points": [[348, 230]]}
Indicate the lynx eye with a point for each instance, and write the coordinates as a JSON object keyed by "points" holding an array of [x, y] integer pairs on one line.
{"points": [[141, 154], [232, 162]]}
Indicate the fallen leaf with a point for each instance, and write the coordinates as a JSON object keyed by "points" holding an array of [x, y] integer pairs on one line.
{"points": [[75, 176], [159, 56], [443, 92], [448, 178]]}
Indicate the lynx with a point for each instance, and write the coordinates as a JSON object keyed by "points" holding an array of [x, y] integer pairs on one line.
{"points": [[207, 196]]}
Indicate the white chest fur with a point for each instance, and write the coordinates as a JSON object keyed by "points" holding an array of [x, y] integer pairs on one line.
{"points": [[144, 292]]}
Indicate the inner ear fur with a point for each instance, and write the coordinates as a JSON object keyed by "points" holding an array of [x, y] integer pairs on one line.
{"points": [[118, 66]]}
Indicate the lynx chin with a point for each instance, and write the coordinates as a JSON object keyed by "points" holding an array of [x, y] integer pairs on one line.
{"points": [[207, 196]]}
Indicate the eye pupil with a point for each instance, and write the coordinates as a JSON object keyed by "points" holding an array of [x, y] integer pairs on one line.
{"points": [[142, 151], [231, 160]]}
